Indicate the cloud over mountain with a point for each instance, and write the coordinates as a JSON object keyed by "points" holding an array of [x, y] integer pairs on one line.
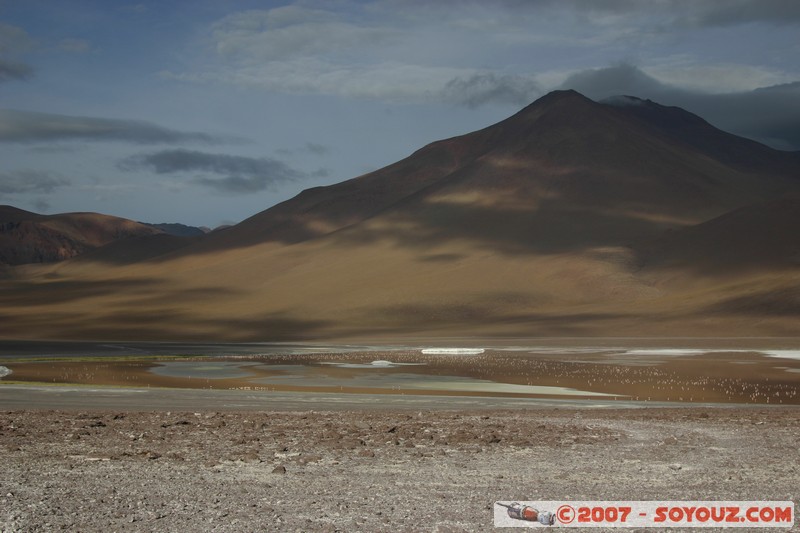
{"points": [[480, 89], [770, 115]]}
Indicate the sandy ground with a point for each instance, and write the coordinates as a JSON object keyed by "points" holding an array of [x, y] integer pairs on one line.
{"points": [[375, 470]]}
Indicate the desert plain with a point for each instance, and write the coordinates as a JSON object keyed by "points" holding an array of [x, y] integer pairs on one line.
{"points": [[249, 452]]}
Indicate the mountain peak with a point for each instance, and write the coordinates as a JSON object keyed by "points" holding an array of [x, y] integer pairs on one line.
{"points": [[557, 98], [562, 107], [561, 94], [625, 100]]}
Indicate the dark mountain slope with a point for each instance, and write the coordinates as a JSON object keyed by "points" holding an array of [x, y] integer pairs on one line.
{"points": [[761, 237], [27, 237], [563, 171]]}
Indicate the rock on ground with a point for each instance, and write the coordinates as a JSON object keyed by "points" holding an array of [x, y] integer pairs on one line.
{"points": [[375, 471]]}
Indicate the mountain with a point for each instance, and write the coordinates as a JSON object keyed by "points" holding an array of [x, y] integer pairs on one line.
{"points": [[571, 217], [27, 237], [178, 230], [582, 170], [764, 235]]}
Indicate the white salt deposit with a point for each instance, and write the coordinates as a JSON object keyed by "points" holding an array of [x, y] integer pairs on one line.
{"points": [[783, 354], [667, 352], [374, 364], [479, 385], [452, 351]]}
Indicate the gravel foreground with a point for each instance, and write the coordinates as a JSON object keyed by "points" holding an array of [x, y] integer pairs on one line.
{"points": [[376, 471]]}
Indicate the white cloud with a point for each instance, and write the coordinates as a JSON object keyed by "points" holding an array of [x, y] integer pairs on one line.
{"points": [[364, 55], [474, 53], [388, 81], [290, 32]]}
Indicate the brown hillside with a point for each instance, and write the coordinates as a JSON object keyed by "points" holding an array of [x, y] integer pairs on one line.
{"points": [[764, 236], [555, 221], [27, 237]]}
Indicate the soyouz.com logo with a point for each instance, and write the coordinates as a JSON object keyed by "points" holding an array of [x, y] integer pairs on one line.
{"points": [[683, 514]]}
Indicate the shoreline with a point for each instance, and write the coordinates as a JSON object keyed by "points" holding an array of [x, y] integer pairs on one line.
{"points": [[86, 398], [594, 374]]}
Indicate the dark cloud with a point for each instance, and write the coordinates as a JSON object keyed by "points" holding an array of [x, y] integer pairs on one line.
{"points": [[238, 184], [14, 41], [621, 79], [241, 174], [686, 13], [770, 115], [11, 71], [732, 12], [317, 149], [309, 147], [481, 89], [29, 181], [28, 127], [55, 148], [42, 205]]}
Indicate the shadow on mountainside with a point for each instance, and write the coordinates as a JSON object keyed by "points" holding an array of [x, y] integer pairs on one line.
{"points": [[162, 325], [775, 303]]}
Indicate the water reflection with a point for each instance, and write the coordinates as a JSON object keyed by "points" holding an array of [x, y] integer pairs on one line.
{"points": [[376, 375]]}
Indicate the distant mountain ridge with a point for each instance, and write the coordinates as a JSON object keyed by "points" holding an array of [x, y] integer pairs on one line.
{"points": [[178, 230], [27, 237]]}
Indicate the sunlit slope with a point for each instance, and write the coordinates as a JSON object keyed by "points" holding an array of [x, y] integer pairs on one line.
{"points": [[569, 218], [383, 290]]}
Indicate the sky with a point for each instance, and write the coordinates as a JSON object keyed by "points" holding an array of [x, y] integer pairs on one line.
{"points": [[206, 112]]}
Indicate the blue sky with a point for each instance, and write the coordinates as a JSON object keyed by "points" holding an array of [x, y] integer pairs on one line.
{"points": [[209, 111]]}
